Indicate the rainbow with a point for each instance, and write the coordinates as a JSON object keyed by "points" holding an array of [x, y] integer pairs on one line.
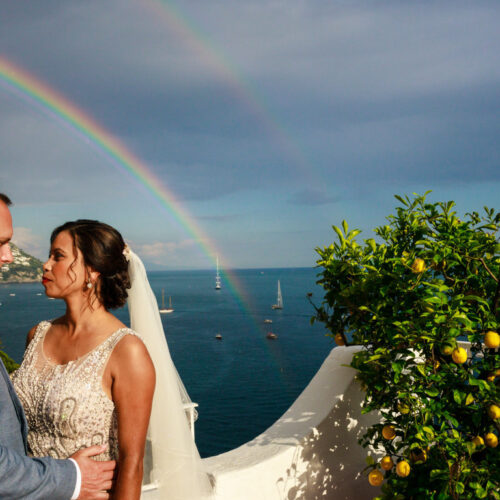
{"points": [[53, 104], [185, 30]]}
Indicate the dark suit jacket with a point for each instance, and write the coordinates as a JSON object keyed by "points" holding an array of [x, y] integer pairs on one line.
{"points": [[22, 477]]}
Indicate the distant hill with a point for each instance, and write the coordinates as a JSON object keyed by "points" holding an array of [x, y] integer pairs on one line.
{"points": [[24, 269]]}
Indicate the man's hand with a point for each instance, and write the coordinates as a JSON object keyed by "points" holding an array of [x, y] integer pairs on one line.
{"points": [[96, 476]]}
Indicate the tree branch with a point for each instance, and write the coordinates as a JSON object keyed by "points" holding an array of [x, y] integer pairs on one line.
{"points": [[488, 269]]}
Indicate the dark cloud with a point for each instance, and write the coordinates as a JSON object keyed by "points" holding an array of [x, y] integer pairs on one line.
{"points": [[252, 94]]}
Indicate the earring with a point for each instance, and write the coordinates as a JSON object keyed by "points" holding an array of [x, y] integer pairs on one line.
{"points": [[89, 284]]}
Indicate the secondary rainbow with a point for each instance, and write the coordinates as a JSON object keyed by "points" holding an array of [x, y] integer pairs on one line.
{"points": [[184, 29], [53, 104]]}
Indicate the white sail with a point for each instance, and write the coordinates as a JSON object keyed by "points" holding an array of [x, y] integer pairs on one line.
{"points": [[279, 300], [163, 309], [217, 276]]}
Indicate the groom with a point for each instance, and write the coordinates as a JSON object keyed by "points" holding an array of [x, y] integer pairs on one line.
{"points": [[22, 477]]}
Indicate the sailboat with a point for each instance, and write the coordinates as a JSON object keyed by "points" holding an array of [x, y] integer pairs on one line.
{"points": [[165, 310], [217, 276], [279, 302]]}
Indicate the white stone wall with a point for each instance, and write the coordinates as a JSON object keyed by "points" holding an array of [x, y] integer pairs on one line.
{"points": [[311, 452]]}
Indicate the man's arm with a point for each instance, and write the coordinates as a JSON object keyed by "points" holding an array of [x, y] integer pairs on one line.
{"points": [[35, 478], [23, 478]]}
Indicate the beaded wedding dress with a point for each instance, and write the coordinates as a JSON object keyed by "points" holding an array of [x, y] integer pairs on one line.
{"points": [[65, 404]]}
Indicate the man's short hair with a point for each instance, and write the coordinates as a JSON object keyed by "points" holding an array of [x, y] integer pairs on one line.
{"points": [[5, 199]]}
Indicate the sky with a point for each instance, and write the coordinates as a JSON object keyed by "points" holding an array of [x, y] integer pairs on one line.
{"points": [[260, 123]]}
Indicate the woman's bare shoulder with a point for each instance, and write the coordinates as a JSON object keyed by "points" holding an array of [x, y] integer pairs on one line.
{"points": [[131, 352]]}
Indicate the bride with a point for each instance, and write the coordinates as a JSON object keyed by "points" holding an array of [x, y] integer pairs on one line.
{"points": [[88, 379]]}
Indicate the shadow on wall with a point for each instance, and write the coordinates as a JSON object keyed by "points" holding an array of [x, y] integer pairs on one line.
{"points": [[329, 462]]}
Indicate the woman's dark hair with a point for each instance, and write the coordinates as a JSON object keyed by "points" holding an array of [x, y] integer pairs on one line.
{"points": [[102, 249]]}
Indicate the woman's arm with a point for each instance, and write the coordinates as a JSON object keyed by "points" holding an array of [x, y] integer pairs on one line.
{"points": [[30, 336], [133, 381]]}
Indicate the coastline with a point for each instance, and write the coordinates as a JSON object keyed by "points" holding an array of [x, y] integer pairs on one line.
{"points": [[19, 282]]}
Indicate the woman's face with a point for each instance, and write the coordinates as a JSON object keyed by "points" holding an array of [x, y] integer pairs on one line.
{"points": [[63, 274]]}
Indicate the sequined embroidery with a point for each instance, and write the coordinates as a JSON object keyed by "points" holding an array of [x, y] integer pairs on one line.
{"points": [[65, 405]]}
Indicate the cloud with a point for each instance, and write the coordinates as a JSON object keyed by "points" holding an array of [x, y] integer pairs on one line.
{"points": [[312, 197], [219, 105], [31, 243], [171, 254]]}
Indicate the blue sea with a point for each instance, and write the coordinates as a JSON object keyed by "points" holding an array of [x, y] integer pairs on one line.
{"points": [[242, 383]]}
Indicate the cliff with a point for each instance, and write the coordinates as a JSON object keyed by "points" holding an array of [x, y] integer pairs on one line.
{"points": [[24, 269]]}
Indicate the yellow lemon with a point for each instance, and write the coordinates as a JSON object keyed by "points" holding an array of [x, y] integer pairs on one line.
{"points": [[388, 432], [339, 339], [437, 364], [494, 412], [459, 355], [386, 463], [375, 478], [403, 468], [491, 440], [447, 349], [418, 265], [478, 441], [491, 377], [403, 408], [492, 340]]}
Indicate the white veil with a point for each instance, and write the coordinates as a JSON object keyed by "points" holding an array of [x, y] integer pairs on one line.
{"points": [[177, 469]]}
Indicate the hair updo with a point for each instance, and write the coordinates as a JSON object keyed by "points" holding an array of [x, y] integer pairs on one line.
{"points": [[102, 249]]}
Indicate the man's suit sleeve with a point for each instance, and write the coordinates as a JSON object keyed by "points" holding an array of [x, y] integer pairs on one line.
{"points": [[24, 478]]}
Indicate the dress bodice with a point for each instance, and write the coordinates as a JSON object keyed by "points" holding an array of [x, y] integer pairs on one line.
{"points": [[65, 404]]}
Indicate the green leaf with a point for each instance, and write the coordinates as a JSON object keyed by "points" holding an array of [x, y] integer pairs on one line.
{"points": [[439, 474], [469, 400], [371, 243], [401, 200], [481, 493], [421, 369], [429, 431], [432, 392], [339, 234]]}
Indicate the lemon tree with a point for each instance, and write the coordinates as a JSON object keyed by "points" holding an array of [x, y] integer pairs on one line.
{"points": [[9, 363], [428, 281]]}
